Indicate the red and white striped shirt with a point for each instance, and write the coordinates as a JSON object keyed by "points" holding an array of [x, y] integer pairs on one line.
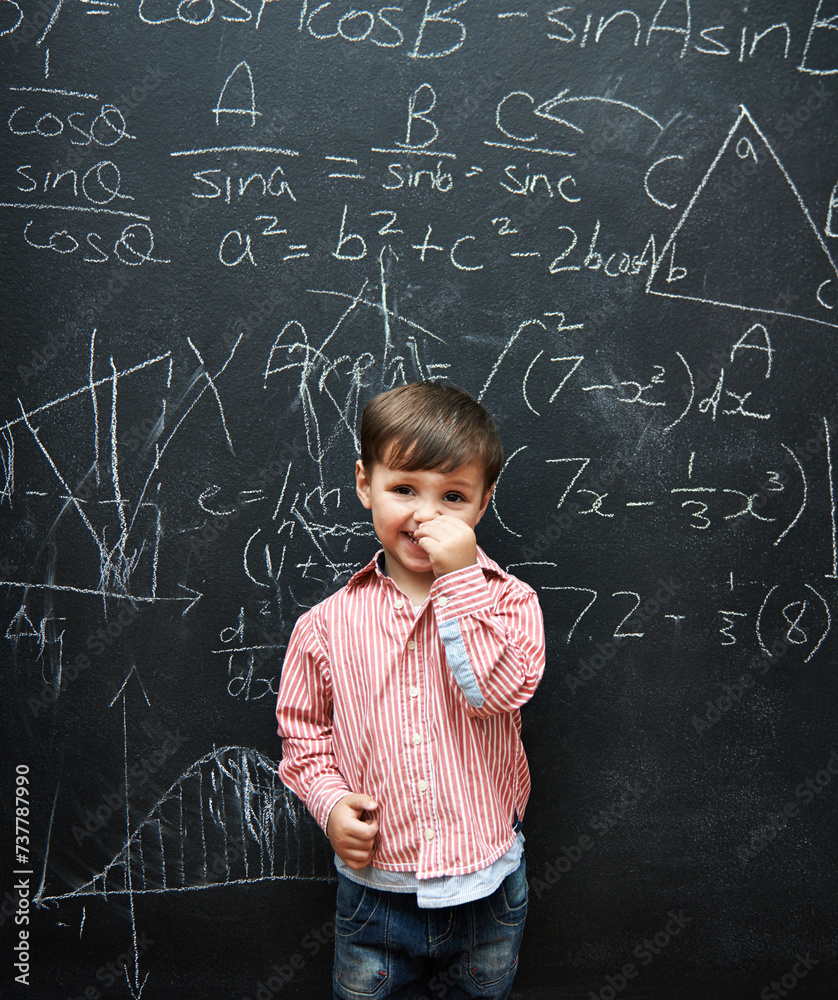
{"points": [[419, 710]]}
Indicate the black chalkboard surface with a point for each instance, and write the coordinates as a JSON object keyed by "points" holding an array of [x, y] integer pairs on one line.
{"points": [[225, 225]]}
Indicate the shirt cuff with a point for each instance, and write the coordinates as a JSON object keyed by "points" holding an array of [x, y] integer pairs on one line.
{"points": [[323, 797], [461, 592]]}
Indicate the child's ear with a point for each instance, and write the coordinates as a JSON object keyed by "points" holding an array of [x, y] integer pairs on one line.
{"points": [[362, 484], [486, 498]]}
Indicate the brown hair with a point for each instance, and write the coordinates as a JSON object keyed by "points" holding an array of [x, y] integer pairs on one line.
{"points": [[429, 425]]}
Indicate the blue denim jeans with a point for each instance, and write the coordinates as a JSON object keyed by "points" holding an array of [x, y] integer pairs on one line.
{"points": [[386, 946]]}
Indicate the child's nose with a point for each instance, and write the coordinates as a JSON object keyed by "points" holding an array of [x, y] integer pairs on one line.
{"points": [[425, 510]]}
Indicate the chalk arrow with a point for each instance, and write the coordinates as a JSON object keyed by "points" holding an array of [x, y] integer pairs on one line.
{"points": [[545, 110], [137, 987], [195, 594], [133, 672]]}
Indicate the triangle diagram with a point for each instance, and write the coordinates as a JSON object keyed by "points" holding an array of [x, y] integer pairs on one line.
{"points": [[747, 241]]}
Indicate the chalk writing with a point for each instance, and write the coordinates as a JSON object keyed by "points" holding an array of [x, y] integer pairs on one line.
{"points": [[611, 223]]}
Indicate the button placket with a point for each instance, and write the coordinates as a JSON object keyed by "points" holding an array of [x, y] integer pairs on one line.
{"points": [[420, 763]]}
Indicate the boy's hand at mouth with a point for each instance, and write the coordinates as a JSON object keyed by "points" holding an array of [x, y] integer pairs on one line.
{"points": [[449, 542]]}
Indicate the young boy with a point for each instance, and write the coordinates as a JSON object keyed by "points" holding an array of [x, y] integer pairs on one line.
{"points": [[399, 708]]}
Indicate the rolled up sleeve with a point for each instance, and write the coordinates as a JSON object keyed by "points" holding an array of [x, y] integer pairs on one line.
{"points": [[494, 646]]}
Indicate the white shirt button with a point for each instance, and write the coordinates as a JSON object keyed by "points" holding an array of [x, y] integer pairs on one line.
{"points": [[417, 739], [443, 601], [411, 644], [422, 785], [429, 834], [414, 692], [398, 605]]}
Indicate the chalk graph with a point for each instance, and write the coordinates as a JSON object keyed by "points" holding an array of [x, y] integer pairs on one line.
{"points": [[227, 819]]}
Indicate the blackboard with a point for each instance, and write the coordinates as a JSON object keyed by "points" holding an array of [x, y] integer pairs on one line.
{"points": [[225, 225]]}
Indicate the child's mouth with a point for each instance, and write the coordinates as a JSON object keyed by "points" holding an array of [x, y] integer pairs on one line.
{"points": [[411, 538]]}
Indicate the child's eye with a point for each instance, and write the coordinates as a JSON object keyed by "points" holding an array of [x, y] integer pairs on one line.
{"points": [[404, 491], [453, 497]]}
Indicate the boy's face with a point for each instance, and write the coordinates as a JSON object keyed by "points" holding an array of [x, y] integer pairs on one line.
{"points": [[401, 501]]}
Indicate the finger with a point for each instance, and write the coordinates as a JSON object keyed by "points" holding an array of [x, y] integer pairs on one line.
{"points": [[360, 837], [364, 819], [425, 533], [431, 526], [356, 862], [353, 844], [359, 802], [357, 851], [444, 534]]}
